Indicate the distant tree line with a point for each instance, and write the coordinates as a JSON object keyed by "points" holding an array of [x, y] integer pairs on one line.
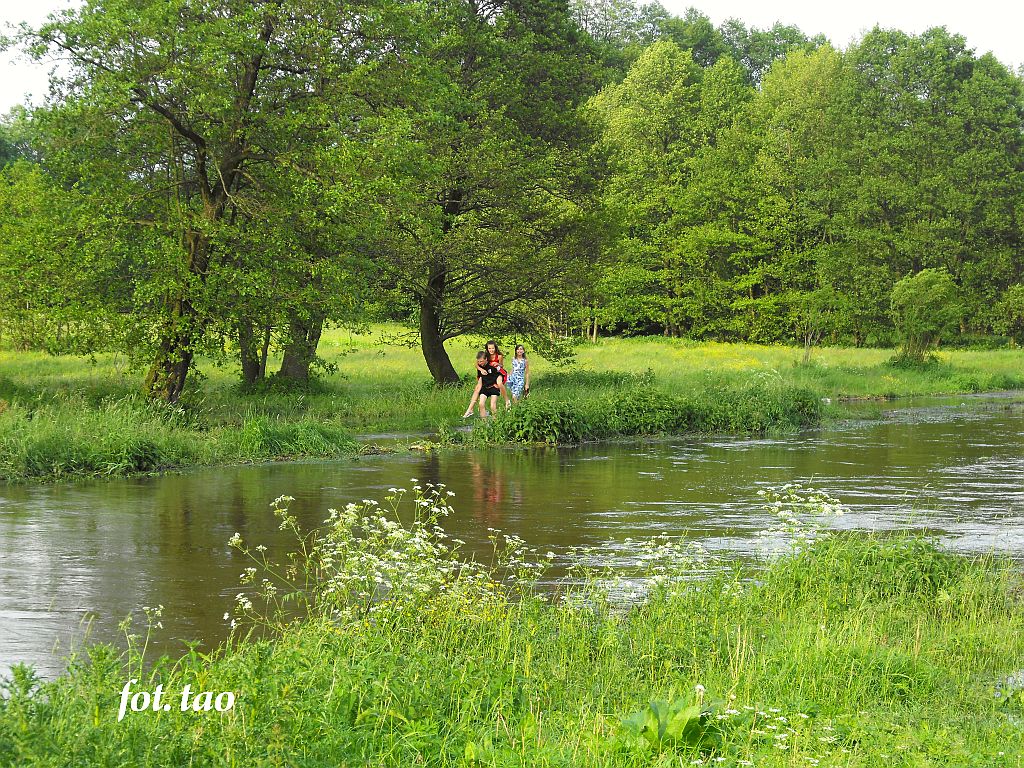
{"points": [[224, 178]]}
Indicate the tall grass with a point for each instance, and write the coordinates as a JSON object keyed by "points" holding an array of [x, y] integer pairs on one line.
{"points": [[850, 650], [69, 438], [755, 406]]}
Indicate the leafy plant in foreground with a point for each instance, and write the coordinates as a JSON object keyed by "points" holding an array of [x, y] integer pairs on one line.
{"points": [[680, 723]]}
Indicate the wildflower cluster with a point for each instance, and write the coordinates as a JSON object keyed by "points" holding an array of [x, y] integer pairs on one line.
{"points": [[661, 564], [136, 644], [517, 565], [799, 512], [367, 558]]}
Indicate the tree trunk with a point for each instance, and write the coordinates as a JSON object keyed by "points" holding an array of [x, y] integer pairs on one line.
{"points": [[265, 349], [166, 378], [247, 352], [431, 342], [432, 301], [300, 350]]}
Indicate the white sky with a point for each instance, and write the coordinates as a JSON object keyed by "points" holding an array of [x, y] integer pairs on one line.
{"points": [[988, 25]]}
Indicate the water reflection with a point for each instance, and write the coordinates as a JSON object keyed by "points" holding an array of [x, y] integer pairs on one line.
{"points": [[71, 555]]}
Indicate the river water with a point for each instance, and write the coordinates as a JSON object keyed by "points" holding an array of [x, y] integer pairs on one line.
{"points": [[76, 559]]}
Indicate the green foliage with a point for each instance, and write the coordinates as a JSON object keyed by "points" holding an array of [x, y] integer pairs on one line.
{"points": [[793, 215], [435, 165], [678, 724], [56, 292], [649, 412], [895, 567], [67, 439], [593, 378], [618, 387], [70, 438], [495, 226], [924, 307], [540, 421], [265, 437], [1010, 314], [753, 407]]}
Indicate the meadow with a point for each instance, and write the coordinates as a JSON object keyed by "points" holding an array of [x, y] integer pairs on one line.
{"points": [[67, 417], [843, 650]]}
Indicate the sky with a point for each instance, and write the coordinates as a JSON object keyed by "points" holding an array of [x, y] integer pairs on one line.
{"points": [[988, 25]]}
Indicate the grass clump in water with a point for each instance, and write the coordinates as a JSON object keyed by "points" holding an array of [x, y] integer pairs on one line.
{"points": [[754, 407], [66, 438], [408, 655], [264, 437]]}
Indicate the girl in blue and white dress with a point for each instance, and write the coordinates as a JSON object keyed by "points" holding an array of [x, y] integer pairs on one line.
{"points": [[519, 377]]}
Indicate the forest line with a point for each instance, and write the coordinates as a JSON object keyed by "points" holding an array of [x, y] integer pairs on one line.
{"points": [[224, 180]]}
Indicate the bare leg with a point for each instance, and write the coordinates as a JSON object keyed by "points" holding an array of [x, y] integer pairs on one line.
{"points": [[504, 392], [472, 400], [483, 406], [494, 406]]}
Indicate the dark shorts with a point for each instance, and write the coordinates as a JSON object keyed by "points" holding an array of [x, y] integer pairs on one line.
{"points": [[489, 391]]}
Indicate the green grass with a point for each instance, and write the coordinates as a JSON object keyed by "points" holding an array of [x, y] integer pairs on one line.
{"points": [[855, 651], [66, 417], [67, 437]]}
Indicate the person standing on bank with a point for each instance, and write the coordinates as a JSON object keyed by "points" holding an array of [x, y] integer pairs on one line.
{"points": [[488, 378], [519, 376], [497, 360]]}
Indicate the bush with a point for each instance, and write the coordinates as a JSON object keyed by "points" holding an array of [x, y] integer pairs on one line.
{"points": [[648, 412], [924, 308], [538, 421], [1010, 314]]}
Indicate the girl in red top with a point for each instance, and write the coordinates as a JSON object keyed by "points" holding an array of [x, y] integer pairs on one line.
{"points": [[496, 360]]}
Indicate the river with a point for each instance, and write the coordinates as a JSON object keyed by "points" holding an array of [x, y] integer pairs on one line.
{"points": [[75, 559]]}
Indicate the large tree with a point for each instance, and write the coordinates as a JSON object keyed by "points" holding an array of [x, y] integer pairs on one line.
{"points": [[169, 115], [494, 205], [934, 170]]}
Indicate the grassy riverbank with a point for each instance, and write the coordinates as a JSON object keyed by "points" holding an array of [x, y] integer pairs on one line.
{"points": [[72, 417], [856, 651]]}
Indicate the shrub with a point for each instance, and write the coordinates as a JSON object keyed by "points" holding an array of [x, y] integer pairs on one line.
{"points": [[1010, 314], [538, 421], [647, 412], [924, 308]]}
